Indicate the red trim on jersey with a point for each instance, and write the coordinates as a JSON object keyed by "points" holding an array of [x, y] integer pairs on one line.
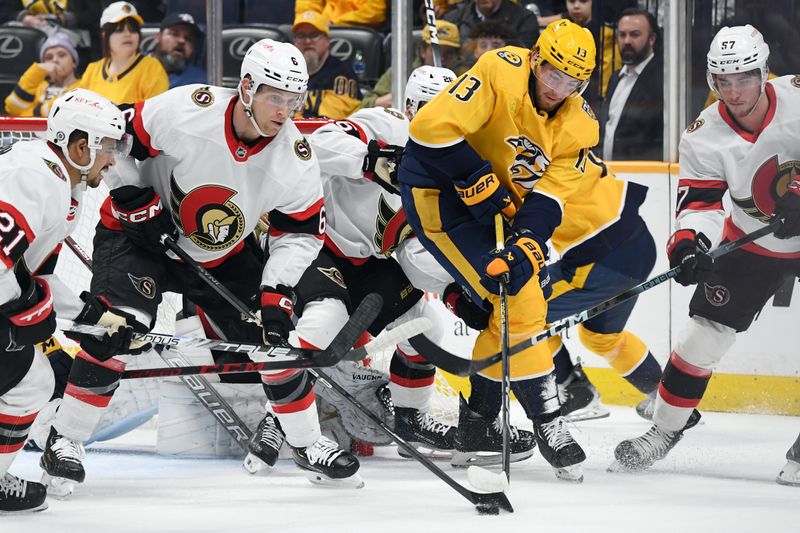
{"points": [[702, 184], [234, 143], [731, 232], [14, 420], [11, 448], [413, 357], [356, 261], [702, 206], [676, 401], [141, 132], [85, 396], [20, 220], [112, 364], [688, 368], [296, 406], [751, 137], [107, 219], [409, 383], [308, 212]]}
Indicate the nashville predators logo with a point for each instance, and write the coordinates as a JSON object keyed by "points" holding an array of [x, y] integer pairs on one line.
{"points": [[207, 216], [530, 162], [771, 181]]}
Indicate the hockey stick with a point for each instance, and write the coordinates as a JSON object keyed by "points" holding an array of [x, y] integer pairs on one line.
{"points": [[485, 503], [430, 20], [199, 386], [460, 366], [479, 477]]}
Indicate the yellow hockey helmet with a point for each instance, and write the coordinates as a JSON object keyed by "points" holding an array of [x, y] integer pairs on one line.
{"points": [[568, 47]]}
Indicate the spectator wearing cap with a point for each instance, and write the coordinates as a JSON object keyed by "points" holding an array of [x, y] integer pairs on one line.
{"points": [[332, 85], [370, 13], [124, 75], [175, 47], [450, 51], [44, 81], [522, 22]]}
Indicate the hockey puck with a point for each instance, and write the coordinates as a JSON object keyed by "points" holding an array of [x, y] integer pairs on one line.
{"points": [[487, 509]]}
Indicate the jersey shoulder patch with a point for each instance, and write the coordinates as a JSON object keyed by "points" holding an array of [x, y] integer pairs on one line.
{"points": [[202, 97], [302, 149]]}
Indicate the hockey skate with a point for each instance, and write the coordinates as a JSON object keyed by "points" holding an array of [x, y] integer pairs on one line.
{"points": [[647, 408], [479, 441], [579, 398], [327, 464], [264, 446], [424, 432], [636, 455], [789, 474], [62, 462], [21, 496], [559, 449]]}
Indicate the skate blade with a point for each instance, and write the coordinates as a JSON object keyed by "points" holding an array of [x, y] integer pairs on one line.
{"points": [[36, 509], [353, 482], [434, 454], [466, 459], [59, 488], [255, 466], [787, 482], [570, 474], [594, 413], [618, 468]]}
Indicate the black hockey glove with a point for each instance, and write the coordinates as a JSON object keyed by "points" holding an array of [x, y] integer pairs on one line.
{"points": [[276, 314], [142, 217], [787, 209], [484, 196], [380, 164], [461, 305], [29, 319], [689, 250], [121, 325]]}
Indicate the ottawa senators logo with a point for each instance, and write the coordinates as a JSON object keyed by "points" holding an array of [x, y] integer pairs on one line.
{"points": [[529, 164], [55, 168], [207, 216], [769, 183], [391, 227], [203, 97], [333, 274], [694, 126], [717, 295]]}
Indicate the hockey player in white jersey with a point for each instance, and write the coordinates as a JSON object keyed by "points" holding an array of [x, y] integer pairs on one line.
{"points": [[743, 146], [213, 160], [41, 190]]}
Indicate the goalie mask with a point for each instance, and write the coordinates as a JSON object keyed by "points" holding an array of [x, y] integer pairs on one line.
{"points": [[98, 117]]}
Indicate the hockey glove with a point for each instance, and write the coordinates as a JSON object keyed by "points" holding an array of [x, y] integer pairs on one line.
{"points": [[521, 259], [121, 325], [461, 305], [485, 197], [787, 209], [29, 319], [380, 164], [276, 314], [142, 217], [689, 250]]}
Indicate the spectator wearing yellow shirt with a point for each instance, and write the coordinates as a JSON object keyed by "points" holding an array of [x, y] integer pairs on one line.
{"points": [[346, 12], [124, 74], [44, 81]]}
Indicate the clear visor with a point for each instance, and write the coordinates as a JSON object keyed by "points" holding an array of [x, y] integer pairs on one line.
{"points": [[117, 148], [558, 82], [736, 82], [290, 102]]}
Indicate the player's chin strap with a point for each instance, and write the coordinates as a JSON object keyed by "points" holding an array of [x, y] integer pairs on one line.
{"points": [[248, 108], [84, 169]]}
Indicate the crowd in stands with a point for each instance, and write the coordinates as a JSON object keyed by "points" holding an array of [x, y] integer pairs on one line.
{"points": [[133, 50]]}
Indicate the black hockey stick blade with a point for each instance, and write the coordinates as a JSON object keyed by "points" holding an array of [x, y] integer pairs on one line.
{"points": [[361, 319], [460, 366], [485, 503]]}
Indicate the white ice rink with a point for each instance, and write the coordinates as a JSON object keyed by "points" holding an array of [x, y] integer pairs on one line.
{"points": [[720, 478]]}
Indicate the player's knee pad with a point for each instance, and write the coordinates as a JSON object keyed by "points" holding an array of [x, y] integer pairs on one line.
{"points": [[703, 342], [321, 320]]}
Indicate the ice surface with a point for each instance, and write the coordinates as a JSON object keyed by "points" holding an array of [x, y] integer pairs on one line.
{"points": [[720, 478]]}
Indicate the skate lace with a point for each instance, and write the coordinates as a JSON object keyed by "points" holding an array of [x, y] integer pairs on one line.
{"points": [[654, 440], [324, 452], [270, 434], [428, 423], [12, 486], [557, 433], [68, 450], [498, 427]]}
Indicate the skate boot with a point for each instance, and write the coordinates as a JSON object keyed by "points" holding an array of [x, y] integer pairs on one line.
{"points": [[559, 449], [647, 407], [62, 462], [579, 398], [635, 455], [790, 474], [421, 430], [264, 446], [326, 463], [21, 496], [479, 441]]}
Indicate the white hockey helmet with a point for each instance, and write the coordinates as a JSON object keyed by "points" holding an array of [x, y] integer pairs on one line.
{"points": [[87, 111], [424, 84], [735, 50]]}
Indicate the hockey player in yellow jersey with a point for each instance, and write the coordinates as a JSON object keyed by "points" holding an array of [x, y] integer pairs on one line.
{"points": [[508, 136]]}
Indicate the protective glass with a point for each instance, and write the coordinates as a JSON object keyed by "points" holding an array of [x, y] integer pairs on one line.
{"points": [[561, 84]]}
